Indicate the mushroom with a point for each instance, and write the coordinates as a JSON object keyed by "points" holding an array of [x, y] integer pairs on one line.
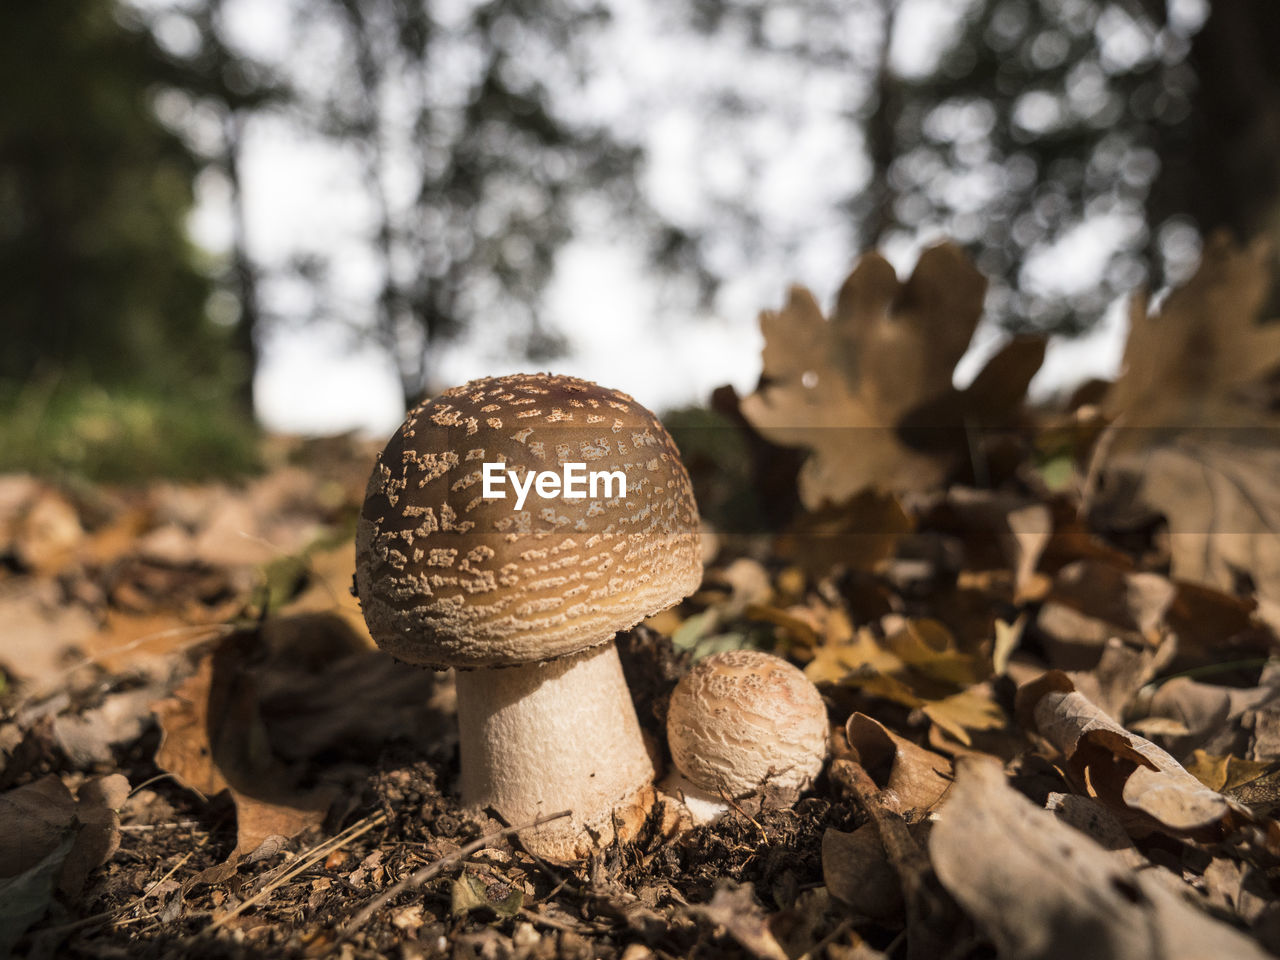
{"points": [[525, 602], [739, 723]]}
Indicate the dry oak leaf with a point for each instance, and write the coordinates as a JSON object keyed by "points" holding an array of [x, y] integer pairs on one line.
{"points": [[869, 391], [50, 840], [856, 870], [1127, 772], [214, 740], [1042, 890], [1193, 363], [908, 775], [1193, 438], [734, 908], [860, 533], [919, 664], [34, 820]]}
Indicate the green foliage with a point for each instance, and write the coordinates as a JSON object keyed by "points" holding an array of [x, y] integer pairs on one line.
{"points": [[96, 272], [127, 434], [719, 463]]}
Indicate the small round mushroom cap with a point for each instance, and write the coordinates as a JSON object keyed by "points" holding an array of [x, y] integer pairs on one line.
{"points": [[743, 720], [449, 578]]}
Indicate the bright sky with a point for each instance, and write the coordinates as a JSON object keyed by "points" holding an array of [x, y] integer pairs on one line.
{"points": [[795, 165]]}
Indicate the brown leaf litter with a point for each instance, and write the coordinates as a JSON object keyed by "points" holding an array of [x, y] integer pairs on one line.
{"points": [[869, 390], [1039, 888], [295, 787], [1193, 437]]}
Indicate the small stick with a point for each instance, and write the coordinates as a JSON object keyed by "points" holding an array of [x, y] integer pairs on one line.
{"points": [[200, 632], [424, 874], [724, 795], [541, 864], [842, 928], [555, 923], [932, 915], [302, 863], [116, 914]]}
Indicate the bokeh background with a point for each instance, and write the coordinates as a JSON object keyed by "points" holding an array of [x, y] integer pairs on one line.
{"points": [[224, 216]]}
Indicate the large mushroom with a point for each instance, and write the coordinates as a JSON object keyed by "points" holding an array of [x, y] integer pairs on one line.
{"points": [[525, 602]]}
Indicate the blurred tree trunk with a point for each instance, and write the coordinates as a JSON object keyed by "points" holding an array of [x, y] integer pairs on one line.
{"points": [[244, 271], [877, 216], [225, 73], [1222, 167]]}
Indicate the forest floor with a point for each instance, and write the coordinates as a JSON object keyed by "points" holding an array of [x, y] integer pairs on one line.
{"points": [[1040, 740]]}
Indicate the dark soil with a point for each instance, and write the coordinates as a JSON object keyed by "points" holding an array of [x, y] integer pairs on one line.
{"points": [[621, 902]]}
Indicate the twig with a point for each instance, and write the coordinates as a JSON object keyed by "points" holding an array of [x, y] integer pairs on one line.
{"points": [[842, 928], [296, 867], [116, 914], [554, 923], [146, 783], [200, 633], [542, 864], [932, 915], [424, 874], [724, 795]]}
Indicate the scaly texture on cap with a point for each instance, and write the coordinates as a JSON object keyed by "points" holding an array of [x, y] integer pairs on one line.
{"points": [[743, 719], [448, 578]]}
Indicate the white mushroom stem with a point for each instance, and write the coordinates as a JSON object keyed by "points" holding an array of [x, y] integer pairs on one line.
{"points": [[702, 807], [562, 735]]}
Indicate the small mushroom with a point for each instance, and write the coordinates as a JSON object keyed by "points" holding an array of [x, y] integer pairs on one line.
{"points": [[743, 724], [525, 602]]}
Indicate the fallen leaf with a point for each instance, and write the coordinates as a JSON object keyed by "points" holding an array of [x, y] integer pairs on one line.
{"points": [[1094, 820], [1193, 362], [1124, 770], [919, 664], [51, 840], [857, 871], [869, 391], [1209, 714], [89, 737], [1021, 526], [1008, 636], [1227, 773], [733, 907], [1264, 721], [748, 582], [48, 533], [214, 740], [34, 819], [1213, 628], [329, 574], [1158, 727], [1222, 505], [1191, 440], [971, 709], [858, 534], [472, 892], [1040, 889], [1125, 599], [25, 897], [42, 632], [909, 776], [1123, 669]]}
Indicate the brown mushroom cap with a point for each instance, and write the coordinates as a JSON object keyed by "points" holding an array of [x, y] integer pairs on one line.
{"points": [[449, 578], [744, 719]]}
